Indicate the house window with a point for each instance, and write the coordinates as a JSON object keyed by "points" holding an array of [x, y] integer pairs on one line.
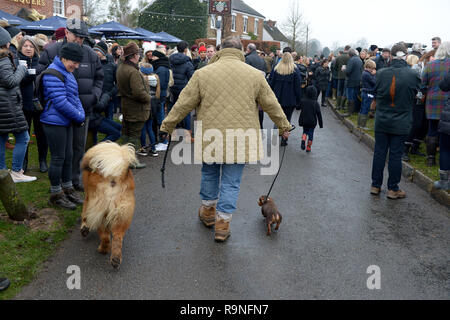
{"points": [[245, 24], [213, 22], [58, 8], [233, 22], [256, 27]]}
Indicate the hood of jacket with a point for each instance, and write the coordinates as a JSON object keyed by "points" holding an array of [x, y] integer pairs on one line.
{"points": [[179, 58], [311, 93], [161, 62]]}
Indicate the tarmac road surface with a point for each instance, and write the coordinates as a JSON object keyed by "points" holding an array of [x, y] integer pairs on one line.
{"points": [[332, 231]]}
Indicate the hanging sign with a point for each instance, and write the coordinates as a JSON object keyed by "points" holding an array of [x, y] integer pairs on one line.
{"points": [[220, 7]]}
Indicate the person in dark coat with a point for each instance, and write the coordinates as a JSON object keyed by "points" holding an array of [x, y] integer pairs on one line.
{"points": [[309, 116], [395, 90], [252, 58], [161, 66], [183, 69], [98, 122], [89, 77], [444, 140], [383, 60], [322, 76], [368, 81], [353, 73], [341, 65], [29, 52], [286, 84], [12, 119]]}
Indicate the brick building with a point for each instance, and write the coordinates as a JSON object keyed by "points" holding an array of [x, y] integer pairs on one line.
{"points": [[63, 8], [243, 22]]}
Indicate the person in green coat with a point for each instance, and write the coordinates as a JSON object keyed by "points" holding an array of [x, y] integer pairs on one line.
{"points": [[395, 90]]}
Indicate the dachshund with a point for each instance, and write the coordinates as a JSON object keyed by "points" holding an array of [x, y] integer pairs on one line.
{"points": [[270, 212]]}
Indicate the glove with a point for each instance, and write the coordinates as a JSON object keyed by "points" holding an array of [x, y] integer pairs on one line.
{"points": [[163, 135]]}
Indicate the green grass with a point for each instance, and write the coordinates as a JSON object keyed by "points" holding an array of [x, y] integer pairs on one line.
{"points": [[417, 162], [22, 250]]}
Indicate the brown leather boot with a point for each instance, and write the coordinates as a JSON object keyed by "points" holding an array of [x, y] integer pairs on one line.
{"points": [[72, 196], [207, 215], [59, 200], [222, 230]]}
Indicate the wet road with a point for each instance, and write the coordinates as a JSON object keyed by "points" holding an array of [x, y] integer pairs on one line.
{"points": [[332, 231]]}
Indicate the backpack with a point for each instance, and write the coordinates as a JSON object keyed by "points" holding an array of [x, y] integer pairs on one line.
{"points": [[39, 101]]}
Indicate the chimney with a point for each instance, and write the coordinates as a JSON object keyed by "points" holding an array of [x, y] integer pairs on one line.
{"points": [[271, 23]]}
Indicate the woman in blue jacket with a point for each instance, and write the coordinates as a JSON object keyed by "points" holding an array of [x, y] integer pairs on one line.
{"points": [[285, 82], [62, 111]]}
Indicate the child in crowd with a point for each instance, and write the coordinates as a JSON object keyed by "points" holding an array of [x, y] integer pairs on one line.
{"points": [[310, 114], [153, 81], [367, 92]]}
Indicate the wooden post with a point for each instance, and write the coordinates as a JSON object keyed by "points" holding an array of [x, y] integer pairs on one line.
{"points": [[15, 208]]}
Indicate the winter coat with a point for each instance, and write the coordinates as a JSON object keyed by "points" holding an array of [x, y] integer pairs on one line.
{"points": [[202, 63], [368, 81], [382, 63], [395, 91], [256, 61], [433, 73], [310, 110], [89, 74], [162, 69], [183, 69], [226, 95], [109, 91], [134, 91], [63, 105], [27, 84], [287, 88], [334, 70], [342, 60], [353, 72], [444, 124], [12, 118], [322, 76]]}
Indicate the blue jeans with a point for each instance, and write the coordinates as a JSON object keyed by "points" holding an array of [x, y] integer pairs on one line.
{"points": [[433, 128], [109, 127], [341, 88], [385, 142], [20, 149], [109, 112], [352, 94], [148, 129], [227, 183], [309, 132], [366, 102], [161, 113]]}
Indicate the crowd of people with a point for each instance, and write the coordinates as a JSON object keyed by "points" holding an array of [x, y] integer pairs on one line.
{"points": [[69, 88]]}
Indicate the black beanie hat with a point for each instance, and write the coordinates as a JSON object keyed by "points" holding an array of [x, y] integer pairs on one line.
{"points": [[13, 31], [72, 51], [102, 47]]}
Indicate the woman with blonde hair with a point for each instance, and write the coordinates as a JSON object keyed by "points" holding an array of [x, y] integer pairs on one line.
{"points": [[285, 82]]}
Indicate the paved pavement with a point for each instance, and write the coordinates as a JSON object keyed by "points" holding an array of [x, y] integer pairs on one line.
{"points": [[332, 231]]}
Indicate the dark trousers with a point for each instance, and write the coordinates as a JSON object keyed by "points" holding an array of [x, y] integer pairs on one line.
{"points": [[385, 142], [341, 88], [419, 127], [288, 111], [261, 118], [309, 132], [60, 141], [186, 123], [433, 128], [324, 95], [132, 131], [79, 145], [444, 157], [41, 139]]}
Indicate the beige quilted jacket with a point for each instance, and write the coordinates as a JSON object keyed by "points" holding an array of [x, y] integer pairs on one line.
{"points": [[226, 94]]}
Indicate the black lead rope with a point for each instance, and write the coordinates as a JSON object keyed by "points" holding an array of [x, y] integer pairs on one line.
{"points": [[163, 169], [279, 169]]}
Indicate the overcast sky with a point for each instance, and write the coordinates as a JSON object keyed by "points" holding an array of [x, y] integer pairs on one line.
{"points": [[382, 22]]}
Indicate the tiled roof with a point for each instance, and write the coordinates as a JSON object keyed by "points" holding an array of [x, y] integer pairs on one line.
{"points": [[275, 33]]}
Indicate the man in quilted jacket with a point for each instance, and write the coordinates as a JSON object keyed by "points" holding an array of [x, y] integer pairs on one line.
{"points": [[226, 94]]}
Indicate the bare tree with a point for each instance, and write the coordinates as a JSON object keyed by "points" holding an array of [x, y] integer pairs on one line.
{"points": [[94, 11], [294, 24], [363, 43]]}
